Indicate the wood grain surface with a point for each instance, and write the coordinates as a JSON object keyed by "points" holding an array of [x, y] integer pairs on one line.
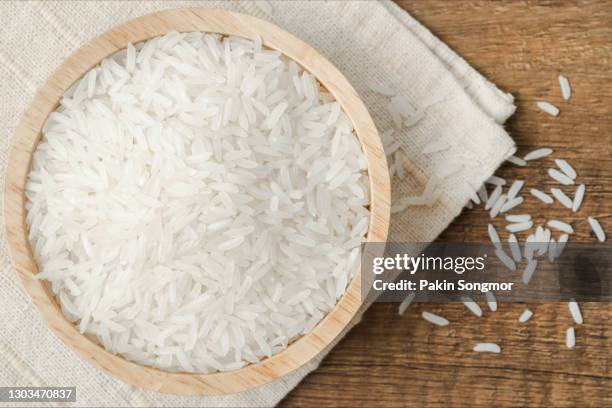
{"points": [[400, 361]]}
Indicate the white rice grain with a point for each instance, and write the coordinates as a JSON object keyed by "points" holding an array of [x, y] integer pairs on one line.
{"points": [[542, 239], [511, 203], [472, 305], [516, 160], [552, 250], [495, 180], [530, 246], [561, 226], [518, 227], [597, 229], [515, 249], [562, 197], [515, 189], [472, 193], [518, 218], [566, 168], [529, 270], [482, 193], [570, 338], [560, 177], [561, 242], [493, 197], [566, 90], [498, 206], [491, 300], [574, 309], [548, 107], [542, 196], [494, 236], [405, 303], [505, 259], [487, 348], [578, 197], [538, 154], [525, 316], [435, 319]]}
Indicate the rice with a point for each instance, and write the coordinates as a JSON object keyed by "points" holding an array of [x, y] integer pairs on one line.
{"points": [[562, 198], [542, 196], [511, 203], [498, 181], [435, 319], [471, 305], [575, 311], [516, 160], [597, 229], [493, 197], [538, 154], [529, 269], [405, 303], [498, 206], [482, 193], [561, 245], [505, 259], [542, 239], [518, 218], [487, 348], [494, 236], [566, 168], [525, 316], [566, 90], [570, 338], [518, 227], [529, 247], [561, 226], [491, 300], [197, 202], [548, 107], [515, 189], [552, 250], [515, 249], [578, 197], [560, 177], [472, 194]]}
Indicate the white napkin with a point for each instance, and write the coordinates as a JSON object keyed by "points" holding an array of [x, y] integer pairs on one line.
{"points": [[370, 42]]}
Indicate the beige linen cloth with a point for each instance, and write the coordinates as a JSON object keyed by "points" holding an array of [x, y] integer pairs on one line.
{"points": [[368, 42]]}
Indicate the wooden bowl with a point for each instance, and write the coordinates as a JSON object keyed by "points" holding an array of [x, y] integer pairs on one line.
{"points": [[28, 134]]}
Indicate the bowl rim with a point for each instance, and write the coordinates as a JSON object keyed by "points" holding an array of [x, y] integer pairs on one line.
{"points": [[27, 136]]}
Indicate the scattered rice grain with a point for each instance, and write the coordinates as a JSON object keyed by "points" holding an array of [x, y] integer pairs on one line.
{"points": [[435, 319], [548, 107]]}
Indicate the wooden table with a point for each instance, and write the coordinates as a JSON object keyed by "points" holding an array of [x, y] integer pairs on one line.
{"points": [[391, 360]]}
